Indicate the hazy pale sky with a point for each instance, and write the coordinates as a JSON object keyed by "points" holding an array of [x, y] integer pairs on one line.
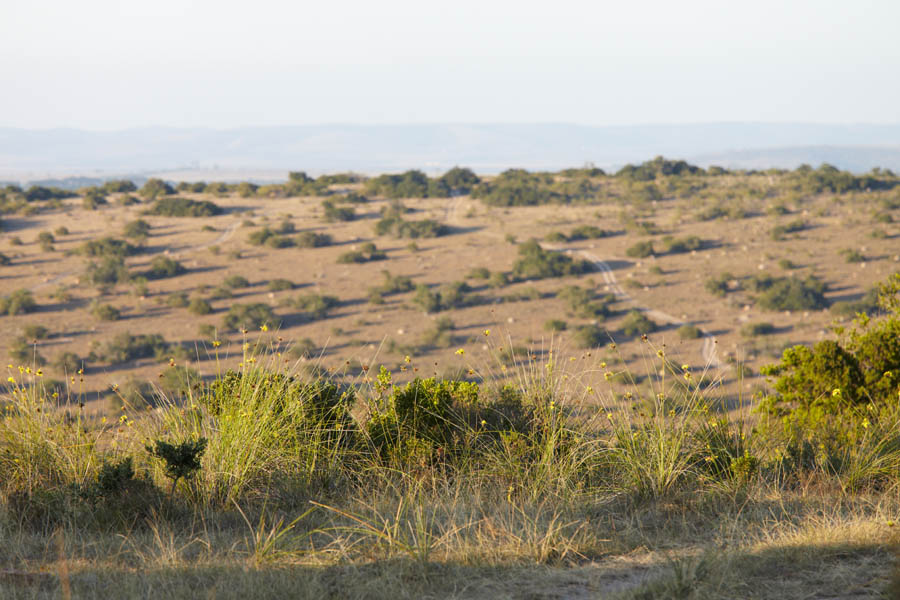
{"points": [[99, 64]]}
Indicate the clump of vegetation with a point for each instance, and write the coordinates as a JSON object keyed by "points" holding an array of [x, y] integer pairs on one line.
{"points": [[719, 285], [125, 347], [392, 284], [334, 213], [536, 263], [46, 240], [689, 332], [446, 297], [154, 188], [33, 331], [199, 306], [269, 238], [780, 232], [590, 336], [392, 223], [582, 302], [105, 312], [137, 230], [311, 239], [235, 282], [367, 253], [852, 255], [106, 247], [109, 271], [162, 267], [184, 207], [18, 303], [637, 323], [313, 306], [250, 316], [641, 250], [793, 293], [756, 329], [555, 325], [680, 246], [279, 285], [478, 273]]}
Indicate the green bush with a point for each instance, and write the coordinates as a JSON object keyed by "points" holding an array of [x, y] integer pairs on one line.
{"points": [[536, 263], [637, 323], [852, 255], [755, 329], [366, 253], [334, 213], [680, 246], [400, 228], [183, 207], [640, 250], [33, 331], [590, 336], [125, 347], [154, 188], [689, 332], [311, 239], [250, 316], [448, 296], [106, 247], [199, 306], [792, 293], [137, 230], [555, 325], [582, 302], [162, 267], [24, 353], [279, 285], [177, 300], [109, 271], [105, 312], [314, 306], [236, 282], [18, 303]]}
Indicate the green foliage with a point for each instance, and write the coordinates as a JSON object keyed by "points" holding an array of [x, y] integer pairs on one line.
{"points": [[109, 271], [411, 184], [311, 239], [366, 253], [178, 381], [314, 306], [279, 285], [590, 336], [392, 223], [637, 323], [448, 296], [334, 213], [478, 273], [118, 186], [793, 293], [33, 331], [658, 167], [236, 282], [555, 325], [689, 332], [581, 302], [105, 312], [536, 263], [125, 347], [162, 267], [680, 246], [393, 284], [106, 247], [641, 250], [177, 300], [25, 353], [250, 316], [780, 232], [154, 188], [183, 207], [199, 306], [182, 460], [18, 303], [852, 255], [137, 230], [867, 305], [756, 329], [517, 187]]}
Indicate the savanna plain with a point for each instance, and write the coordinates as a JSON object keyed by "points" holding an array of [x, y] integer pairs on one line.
{"points": [[664, 382]]}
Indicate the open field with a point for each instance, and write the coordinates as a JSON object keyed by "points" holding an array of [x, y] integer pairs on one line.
{"points": [[597, 434]]}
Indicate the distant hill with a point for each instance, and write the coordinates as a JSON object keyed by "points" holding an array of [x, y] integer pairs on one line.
{"points": [[56, 153]]}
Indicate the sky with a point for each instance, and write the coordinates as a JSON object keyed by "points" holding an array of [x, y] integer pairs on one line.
{"points": [[109, 65]]}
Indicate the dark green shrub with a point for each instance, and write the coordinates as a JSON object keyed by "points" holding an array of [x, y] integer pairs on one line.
{"points": [[107, 247], [105, 312], [755, 329], [250, 316], [33, 331], [236, 282], [25, 353], [68, 363], [640, 250], [582, 302], [125, 347], [154, 188], [478, 273], [137, 230], [177, 300], [199, 306], [18, 303], [311, 239], [314, 306], [366, 253], [555, 325], [183, 207], [279, 285], [792, 293], [852, 255], [178, 381], [689, 332], [680, 246], [337, 213], [162, 267], [590, 336], [536, 263], [109, 271], [637, 323], [181, 460]]}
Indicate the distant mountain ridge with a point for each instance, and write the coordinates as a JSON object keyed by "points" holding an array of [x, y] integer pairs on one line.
{"points": [[433, 147]]}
